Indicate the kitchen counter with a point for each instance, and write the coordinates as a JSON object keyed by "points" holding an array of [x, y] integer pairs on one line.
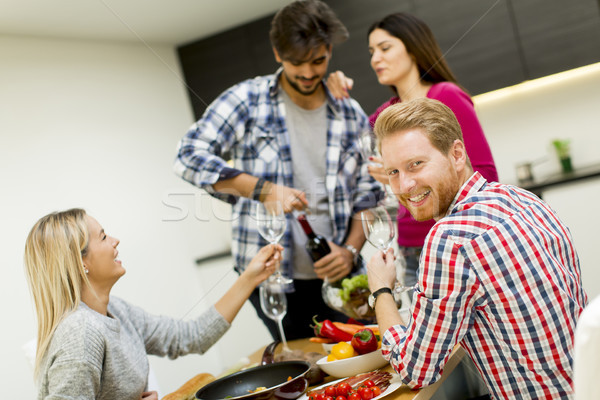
{"points": [[562, 178], [458, 357]]}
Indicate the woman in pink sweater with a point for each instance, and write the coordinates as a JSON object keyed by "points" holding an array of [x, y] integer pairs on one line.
{"points": [[406, 57]]}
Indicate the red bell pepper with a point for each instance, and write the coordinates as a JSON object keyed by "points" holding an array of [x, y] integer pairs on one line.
{"points": [[327, 329], [364, 341]]}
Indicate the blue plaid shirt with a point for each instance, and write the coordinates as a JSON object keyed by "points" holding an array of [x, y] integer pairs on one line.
{"points": [[247, 124]]}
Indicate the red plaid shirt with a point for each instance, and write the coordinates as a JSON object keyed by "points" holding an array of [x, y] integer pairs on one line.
{"points": [[500, 276]]}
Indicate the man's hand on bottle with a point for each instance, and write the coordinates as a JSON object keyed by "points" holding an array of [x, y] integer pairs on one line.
{"points": [[290, 198], [335, 265]]}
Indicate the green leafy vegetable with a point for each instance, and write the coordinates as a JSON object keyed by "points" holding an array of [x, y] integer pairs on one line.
{"points": [[350, 285]]}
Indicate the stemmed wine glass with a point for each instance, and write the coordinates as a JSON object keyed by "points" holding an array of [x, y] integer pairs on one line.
{"points": [[367, 145], [380, 231], [368, 148], [271, 222], [274, 304]]}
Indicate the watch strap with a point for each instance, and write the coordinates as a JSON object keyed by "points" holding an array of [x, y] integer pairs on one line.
{"points": [[378, 292]]}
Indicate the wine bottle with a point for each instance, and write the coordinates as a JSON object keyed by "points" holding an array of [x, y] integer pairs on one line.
{"points": [[316, 245]]}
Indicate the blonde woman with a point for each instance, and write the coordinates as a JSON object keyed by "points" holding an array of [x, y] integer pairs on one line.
{"points": [[92, 345]]}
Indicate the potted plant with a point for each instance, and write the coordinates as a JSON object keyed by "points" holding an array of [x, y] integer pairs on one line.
{"points": [[564, 154]]}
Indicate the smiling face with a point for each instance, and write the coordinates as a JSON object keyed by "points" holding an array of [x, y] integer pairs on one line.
{"points": [[424, 180], [304, 76], [390, 60], [100, 258]]}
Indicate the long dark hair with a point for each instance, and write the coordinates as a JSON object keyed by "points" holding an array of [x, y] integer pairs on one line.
{"points": [[420, 42]]}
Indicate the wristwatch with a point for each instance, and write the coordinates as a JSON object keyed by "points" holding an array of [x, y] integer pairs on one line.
{"points": [[373, 296]]}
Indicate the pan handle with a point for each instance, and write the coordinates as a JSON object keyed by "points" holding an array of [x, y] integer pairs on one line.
{"points": [[269, 353]]}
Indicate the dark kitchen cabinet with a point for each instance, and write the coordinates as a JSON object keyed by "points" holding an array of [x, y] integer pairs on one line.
{"points": [[353, 57], [557, 35], [489, 44], [478, 41], [213, 64]]}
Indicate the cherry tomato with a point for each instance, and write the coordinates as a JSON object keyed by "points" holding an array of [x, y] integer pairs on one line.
{"points": [[343, 389], [365, 393], [330, 391], [354, 396], [320, 396], [329, 398], [341, 398], [369, 383], [376, 391]]}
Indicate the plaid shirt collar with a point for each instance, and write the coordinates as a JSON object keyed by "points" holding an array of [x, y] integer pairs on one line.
{"points": [[473, 185]]}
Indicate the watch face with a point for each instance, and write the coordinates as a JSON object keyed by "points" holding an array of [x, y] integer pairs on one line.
{"points": [[371, 301]]}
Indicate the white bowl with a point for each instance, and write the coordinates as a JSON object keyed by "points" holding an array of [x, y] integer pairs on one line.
{"points": [[353, 365], [327, 347]]}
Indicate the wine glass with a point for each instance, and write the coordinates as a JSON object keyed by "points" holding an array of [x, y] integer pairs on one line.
{"points": [[368, 148], [274, 304], [367, 145], [380, 231], [378, 227], [271, 221]]}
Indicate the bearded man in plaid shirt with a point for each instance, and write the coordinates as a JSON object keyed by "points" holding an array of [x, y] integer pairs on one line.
{"points": [[498, 275], [290, 141]]}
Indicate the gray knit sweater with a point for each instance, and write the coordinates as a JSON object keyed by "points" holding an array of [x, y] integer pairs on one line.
{"points": [[93, 356]]}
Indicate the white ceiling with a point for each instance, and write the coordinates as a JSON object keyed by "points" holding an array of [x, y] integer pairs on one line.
{"points": [[150, 21]]}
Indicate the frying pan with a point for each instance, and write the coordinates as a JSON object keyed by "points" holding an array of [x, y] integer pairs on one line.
{"points": [[272, 376]]}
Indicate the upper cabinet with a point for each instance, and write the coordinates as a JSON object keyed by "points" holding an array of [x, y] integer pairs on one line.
{"points": [[489, 44], [557, 35], [213, 64], [478, 41]]}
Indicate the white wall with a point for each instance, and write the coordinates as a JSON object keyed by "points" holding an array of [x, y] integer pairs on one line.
{"points": [[521, 121], [95, 125]]}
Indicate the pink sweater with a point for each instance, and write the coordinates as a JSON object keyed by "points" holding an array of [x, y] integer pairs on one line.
{"points": [[412, 233]]}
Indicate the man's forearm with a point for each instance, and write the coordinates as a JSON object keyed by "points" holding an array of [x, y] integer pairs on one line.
{"points": [[240, 185]]}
